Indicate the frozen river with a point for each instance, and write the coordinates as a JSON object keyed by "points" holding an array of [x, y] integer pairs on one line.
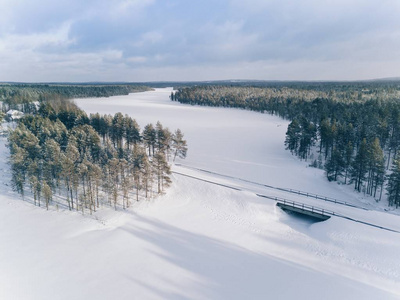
{"points": [[235, 142]]}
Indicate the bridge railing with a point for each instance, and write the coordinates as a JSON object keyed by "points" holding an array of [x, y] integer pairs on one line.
{"points": [[301, 206], [316, 196]]}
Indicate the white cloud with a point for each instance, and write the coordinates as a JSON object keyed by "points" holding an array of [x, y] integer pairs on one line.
{"points": [[148, 38], [16, 42], [118, 9], [137, 59], [152, 37], [263, 39], [125, 5]]}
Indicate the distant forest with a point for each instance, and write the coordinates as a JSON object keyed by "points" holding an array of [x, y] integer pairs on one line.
{"points": [[89, 161], [352, 130], [23, 96]]}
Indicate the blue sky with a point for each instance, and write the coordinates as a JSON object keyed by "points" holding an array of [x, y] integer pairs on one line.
{"points": [[153, 40]]}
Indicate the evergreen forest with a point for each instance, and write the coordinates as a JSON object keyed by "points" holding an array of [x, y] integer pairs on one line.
{"points": [[24, 96], [90, 161], [351, 130]]}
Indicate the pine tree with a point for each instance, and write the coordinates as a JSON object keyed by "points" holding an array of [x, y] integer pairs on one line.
{"points": [[96, 176], [132, 131], [393, 186], [327, 132], [95, 121], [117, 131], [69, 162], [113, 167], [138, 158], [360, 165], [146, 175], [394, 133], [335, 165], [47, 193], [162, 171], [179, 144], [52, 163], [293, 134], [167, 144], [348, 158], [307, 139], [19, 162], [35, 188], [125, 182], [376, 165], [105, 127], [82, 171], [160, 137], [149, 136]]}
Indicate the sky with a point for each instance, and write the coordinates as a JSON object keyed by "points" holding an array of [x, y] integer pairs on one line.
{"points": [[182, 40]]}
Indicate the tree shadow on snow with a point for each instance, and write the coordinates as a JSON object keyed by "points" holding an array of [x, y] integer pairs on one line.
{"points": [[223, 270]]}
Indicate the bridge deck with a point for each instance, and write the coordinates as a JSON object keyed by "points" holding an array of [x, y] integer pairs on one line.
{"points": [[305, 210]]}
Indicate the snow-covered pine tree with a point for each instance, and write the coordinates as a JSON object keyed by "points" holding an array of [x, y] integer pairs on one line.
{"points": [[393, 186], [179, 144]]}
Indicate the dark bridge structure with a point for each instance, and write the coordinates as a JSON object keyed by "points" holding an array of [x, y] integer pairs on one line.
{"points": [[316, 214]]}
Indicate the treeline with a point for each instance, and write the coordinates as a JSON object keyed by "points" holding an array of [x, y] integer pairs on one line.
{"points": [[90, 160], [283, 99], [354, 130], [23, 96], [355, 142]]}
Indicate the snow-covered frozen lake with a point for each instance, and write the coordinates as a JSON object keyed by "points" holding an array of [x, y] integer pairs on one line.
{"points": [[234, 142], [201, 241]]}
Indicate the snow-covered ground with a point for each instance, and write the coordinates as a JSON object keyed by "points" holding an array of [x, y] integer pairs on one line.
{"points": [[200, 240]]}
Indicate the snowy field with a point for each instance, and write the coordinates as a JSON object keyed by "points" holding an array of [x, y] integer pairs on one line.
{"points": [[201, 240]]}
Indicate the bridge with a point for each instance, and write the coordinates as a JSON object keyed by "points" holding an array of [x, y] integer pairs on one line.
{"points": [[302, 208], [311, 212]]}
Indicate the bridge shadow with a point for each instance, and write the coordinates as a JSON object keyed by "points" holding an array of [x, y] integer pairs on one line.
{"points": [[298, 221]]}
